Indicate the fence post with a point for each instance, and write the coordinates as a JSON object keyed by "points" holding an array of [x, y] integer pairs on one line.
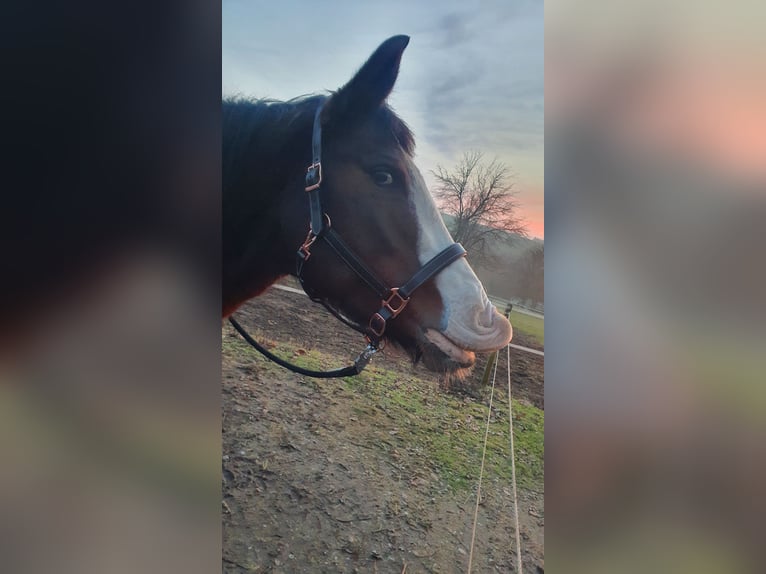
{"points": [[493, 356]]}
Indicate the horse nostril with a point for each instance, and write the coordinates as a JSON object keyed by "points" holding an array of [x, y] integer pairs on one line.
{"points": [[487, 317]]}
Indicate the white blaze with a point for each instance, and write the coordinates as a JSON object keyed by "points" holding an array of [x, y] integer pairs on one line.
{"points": [[469, 319]]}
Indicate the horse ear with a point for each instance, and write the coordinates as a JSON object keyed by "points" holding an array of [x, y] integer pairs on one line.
{"points": [[371, 85]]}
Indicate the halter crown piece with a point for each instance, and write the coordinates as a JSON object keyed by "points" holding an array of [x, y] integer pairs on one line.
{"points": [[393, 299]]}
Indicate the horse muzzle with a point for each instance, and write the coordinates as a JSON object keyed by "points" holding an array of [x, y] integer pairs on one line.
{"points": [[482, 331]]}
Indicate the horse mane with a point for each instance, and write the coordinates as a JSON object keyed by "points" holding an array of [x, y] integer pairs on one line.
{"points": [[262, 128], [267, 126]]}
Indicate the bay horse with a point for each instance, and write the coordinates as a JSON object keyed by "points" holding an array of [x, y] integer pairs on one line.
{"points": [[372, 196]]}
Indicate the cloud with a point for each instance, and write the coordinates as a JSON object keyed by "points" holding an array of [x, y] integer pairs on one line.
{"points": [[483, 85], [453, 29]]}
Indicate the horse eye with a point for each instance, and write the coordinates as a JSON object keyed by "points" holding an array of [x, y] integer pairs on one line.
{"points": [[382, 178]]}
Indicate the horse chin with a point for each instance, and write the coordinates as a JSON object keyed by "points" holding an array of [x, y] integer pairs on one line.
{"points": [[441, 355]]}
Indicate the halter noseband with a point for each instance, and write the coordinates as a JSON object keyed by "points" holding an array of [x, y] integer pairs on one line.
{"points": [[393, 299]]}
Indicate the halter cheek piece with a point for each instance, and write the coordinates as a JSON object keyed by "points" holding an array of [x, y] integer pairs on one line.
{"points": [[393, 299]]}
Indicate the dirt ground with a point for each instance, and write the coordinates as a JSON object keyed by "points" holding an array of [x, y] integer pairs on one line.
{"points": [[314, 480]]}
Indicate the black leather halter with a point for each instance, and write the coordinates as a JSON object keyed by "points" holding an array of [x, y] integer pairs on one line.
{"points": [[393, 299]]}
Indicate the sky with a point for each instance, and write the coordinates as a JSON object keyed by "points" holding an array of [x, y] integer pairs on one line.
{"points": [[470, 79]]}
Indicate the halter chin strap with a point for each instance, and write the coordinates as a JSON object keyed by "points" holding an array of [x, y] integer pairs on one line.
{"points": [[393, 299]]}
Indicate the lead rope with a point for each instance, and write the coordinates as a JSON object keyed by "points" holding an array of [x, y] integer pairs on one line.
{"points": [[513, 464], [513, 468], [481, 471]]}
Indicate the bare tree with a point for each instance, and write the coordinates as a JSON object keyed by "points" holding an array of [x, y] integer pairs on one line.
{"points": [[480, 197], [531, 272]]}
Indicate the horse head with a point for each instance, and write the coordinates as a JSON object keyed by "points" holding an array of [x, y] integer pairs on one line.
{"points": [[376, 199]]}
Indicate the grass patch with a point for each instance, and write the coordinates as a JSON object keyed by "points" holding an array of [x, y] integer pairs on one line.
{"points": [[409, 413], [449, 430], [528, 325]]}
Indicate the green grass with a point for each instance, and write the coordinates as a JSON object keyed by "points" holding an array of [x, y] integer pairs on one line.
{"points": [[528, 325], [409, 413]]}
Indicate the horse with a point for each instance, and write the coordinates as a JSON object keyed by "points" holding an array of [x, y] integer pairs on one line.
{"points": [[376, 205]]}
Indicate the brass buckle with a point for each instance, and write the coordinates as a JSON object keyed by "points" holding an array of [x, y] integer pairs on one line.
{"points": [[401, 304], [305, 249], [315, 169], [377, 318]]}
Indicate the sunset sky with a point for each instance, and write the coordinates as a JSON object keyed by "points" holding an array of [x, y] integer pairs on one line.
{"points": [[471, 79]]}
